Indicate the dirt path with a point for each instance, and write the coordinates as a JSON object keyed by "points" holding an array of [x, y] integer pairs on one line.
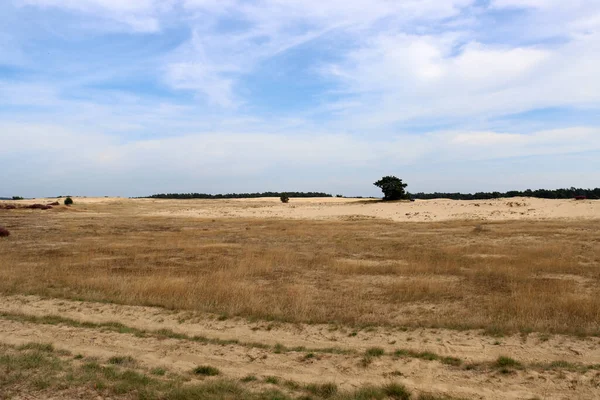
{"points": [[470, 346], [238, 360]]}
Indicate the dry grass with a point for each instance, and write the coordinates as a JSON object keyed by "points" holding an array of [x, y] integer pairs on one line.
{"points": [[540, 276]]}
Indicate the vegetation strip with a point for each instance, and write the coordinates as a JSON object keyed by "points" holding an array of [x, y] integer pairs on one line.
{"points": [[503, 364], [163, 333], [38, 368]]}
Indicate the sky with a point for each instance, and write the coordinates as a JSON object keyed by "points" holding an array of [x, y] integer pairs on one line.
{"points": [[131, 98]]}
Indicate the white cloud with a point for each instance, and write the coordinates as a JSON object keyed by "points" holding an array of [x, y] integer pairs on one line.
{"points": [[408, 77]]}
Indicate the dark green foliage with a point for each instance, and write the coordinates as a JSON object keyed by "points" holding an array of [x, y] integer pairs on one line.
{"points": [[392, 188], [68, 201], [284, 198], [17, 198], [206, 370], [569, 193], [236, 195]]}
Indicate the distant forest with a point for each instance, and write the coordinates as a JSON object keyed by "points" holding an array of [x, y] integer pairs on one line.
{"points": [[539, 193], [235, 195]]}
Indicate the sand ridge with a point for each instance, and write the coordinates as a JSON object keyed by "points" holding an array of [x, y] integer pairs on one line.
{"points": [[518, 208], [418, 211]]}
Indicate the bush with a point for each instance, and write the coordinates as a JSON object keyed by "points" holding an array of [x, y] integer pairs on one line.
{"points": [[17, 198], [68, 201], [284, 198], [4, 232]]}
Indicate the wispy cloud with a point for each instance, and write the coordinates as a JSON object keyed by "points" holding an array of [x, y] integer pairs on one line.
{"points": [[245, 88]]}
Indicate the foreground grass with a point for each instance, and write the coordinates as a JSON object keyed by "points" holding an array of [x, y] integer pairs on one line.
{"points": [[510, 276], [37, 368]]}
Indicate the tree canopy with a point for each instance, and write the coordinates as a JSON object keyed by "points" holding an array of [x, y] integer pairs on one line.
{"points": [[392, 188], [235, 195], [566, 193]]}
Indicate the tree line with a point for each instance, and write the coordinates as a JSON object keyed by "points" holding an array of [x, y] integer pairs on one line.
{"points": [[236, 195], [539, 193]]}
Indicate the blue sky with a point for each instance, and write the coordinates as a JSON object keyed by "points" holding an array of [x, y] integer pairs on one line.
{"points": [[113, 97]]}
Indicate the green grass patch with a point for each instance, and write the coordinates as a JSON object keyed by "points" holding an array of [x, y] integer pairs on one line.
{"points": [[507, 362], [122, 360], [375, 352], [272, 380], [249, 378], [323, 390]]}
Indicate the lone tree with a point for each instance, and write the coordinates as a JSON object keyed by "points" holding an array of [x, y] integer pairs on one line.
{"points": [[392, 188], [284, 198], [68, 201]]}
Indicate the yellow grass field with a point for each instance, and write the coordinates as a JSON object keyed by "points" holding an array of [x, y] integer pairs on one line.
{"points": [[432, 296]]}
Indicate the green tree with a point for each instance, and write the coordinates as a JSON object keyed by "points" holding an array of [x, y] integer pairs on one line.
{"points": [[68, 201], [284, 198], [392, 188]]}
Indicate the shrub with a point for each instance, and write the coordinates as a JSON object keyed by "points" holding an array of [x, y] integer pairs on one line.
{"points": [[284, 198], [206, 370], [4, 232], [17, 198], [68, 201]]}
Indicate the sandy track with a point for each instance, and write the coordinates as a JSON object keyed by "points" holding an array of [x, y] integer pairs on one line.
{"points": [[344, 369]]}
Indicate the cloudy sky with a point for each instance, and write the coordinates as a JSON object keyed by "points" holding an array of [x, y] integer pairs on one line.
{"points": [[114, 97]]}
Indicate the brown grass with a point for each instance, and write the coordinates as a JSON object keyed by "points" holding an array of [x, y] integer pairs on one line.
{"points": [[540, 276]]}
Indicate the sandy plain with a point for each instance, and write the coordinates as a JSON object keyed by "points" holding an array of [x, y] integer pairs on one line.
{"points": [[433, 295]]}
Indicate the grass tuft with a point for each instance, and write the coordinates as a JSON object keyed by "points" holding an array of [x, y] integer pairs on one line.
{"points": [[206, 370], [323, 390]]}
